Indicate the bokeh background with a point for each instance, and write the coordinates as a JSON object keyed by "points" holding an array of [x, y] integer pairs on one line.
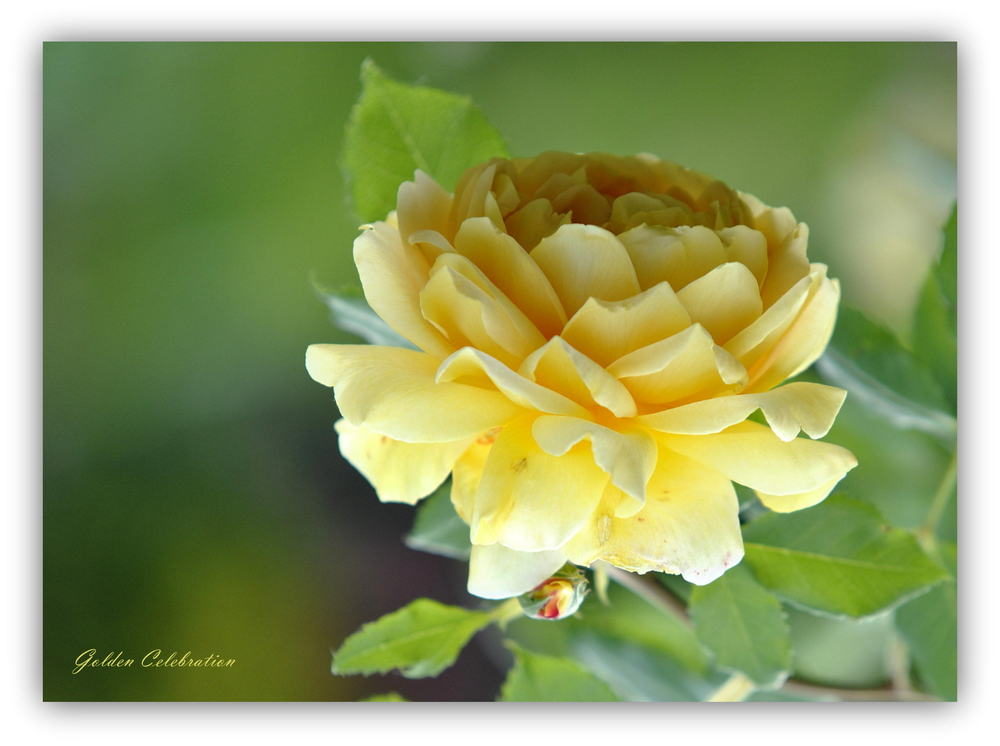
{"points": [[194, 498]]}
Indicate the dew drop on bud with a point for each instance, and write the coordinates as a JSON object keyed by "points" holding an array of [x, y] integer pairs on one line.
{"points": [[558, 597]]}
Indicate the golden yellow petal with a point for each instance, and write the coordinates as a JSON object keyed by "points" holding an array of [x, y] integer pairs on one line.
{"points": [[628, 457], [675, 255], [803, 342], [392, 274], [421, 205], [747, 246], [400, 472], [725, 301], [560, 367], [688, 525], [476, 368], [584, 261], [498, 572], [529, 500], [789, 503], [509, 267], [606, 330], [754, 456], [392, 391], [811, 407], [688, 365]]}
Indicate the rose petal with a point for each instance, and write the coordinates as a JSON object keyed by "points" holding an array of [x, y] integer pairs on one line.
{"points": [[476, 368], [400, 472], [529, 500], [515, 273], [685, 366], [675, 255], [392, 274], [811, 407], [754, 456], [498, 572], [789, 503], [747, 246], [628, 457], [584, 261], [725, 301], [688, 525], [606, 330], [802, 343], [392, 391], [559, 367]]}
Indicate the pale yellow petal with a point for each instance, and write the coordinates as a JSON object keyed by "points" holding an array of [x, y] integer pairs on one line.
{"points": [[467, 472], [476, 368], [751, 344], [515, 273], [392, 391], [787, 264], [400, 472], [529, 500], [422, 205], [584, 261], [470, 310], [802, 343], [811, 407], [685, 366], [392, 274], [675, 255], [688, 525], [747, 246], [628, 457], [498, 572], [725, 301], [606, 330], [470, 199], [560, 367], [754, 456], [789, 503]]}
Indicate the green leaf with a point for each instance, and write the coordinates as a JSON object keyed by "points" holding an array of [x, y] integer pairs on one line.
{"points": [[639, 673], [386, 697], [350, 311], [935, 323], [838, 558], [438, 528], [395, 129], [842, 652], [546, 678], [866, 359], [421, 639], [929, 624], [744, 626]]}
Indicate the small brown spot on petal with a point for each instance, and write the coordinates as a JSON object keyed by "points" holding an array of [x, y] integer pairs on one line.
{"points": [[520, 465]]}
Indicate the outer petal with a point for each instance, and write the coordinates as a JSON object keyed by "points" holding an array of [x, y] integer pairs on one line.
{"points": [[498, 572], [400, 472], [529, 500], [804, 341], [584, 261], [628, 457], [689, 525], [467, 473], [606, 330], [391, 391], [751, 344], [725, 301], [559, 367], [476, 368], [515, 273], [422, 205], [789, 503], [752, 455], [686, 365], [392, 274], [807, 406]]}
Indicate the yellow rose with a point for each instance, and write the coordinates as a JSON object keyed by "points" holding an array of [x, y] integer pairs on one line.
{"points": [[594, 331]]}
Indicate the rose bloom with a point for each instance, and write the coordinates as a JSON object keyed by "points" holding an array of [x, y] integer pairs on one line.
{"points": [[593, 332]]}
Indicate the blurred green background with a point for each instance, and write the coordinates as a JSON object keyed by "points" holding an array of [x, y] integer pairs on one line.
{"points": [[194, 498]]}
